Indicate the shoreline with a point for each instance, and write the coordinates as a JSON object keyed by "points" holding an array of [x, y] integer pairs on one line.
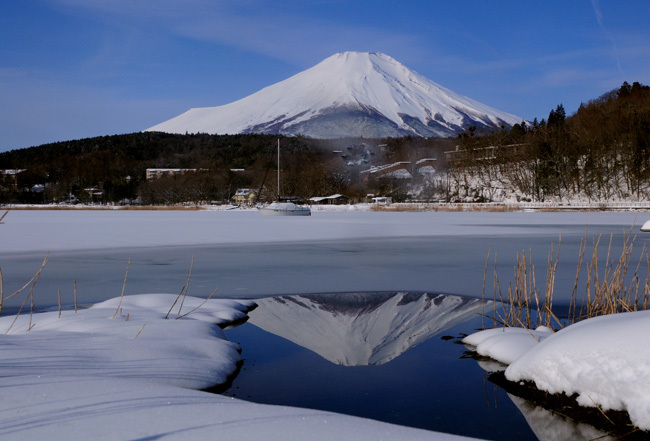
{"points": [[394, 207]]}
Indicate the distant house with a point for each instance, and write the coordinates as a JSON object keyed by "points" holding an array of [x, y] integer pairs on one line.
{"points": [[155, 173], [245, 196], [10, 178], [382, 200], [335, 199], [19, 179]]}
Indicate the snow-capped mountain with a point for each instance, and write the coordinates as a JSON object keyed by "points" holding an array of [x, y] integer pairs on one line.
{"points": [[358, 329], [350, 94]]}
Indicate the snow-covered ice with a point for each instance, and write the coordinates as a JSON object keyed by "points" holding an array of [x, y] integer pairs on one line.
{"points": [[604, 360], [41, 230]]}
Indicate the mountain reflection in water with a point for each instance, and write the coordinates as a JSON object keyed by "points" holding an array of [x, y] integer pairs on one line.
{"points": [[360, 329], [374, 355]]}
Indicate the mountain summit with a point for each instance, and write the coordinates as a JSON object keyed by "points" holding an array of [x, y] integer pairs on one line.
{"points": [[350, 94]]}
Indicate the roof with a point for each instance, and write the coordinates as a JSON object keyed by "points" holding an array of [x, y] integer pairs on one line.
{"points": [[323, 198]]}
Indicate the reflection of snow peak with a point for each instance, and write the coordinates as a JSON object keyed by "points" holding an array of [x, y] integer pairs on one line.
{"points": [[356, 329]]}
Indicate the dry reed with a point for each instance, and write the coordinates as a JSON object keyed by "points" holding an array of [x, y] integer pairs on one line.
{"points": [[136, 335], [616, 288], [29, 296], [183, 290], [119, 304], [445, 207], [187, 286]]}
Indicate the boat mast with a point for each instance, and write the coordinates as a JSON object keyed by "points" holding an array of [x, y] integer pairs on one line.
{"points": [[278, 169]]}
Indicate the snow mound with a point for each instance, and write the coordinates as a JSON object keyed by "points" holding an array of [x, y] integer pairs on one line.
{"points": [[139, 342], [605, 361]]}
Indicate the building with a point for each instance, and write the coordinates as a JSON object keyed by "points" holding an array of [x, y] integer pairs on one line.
{"points": [[155, 173], [382, 200], [245, 196], [335, 199]]}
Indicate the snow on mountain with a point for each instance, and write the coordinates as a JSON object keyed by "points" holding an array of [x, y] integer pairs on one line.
{"points": [[349, 94], [358, 329]]}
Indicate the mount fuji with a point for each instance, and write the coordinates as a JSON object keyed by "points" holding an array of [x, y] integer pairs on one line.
{"points": [[350, 94]]}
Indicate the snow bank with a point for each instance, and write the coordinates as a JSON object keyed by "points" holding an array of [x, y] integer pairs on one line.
{"points": [[506, 345], [604, 360], [190, 352], [96, 374]]}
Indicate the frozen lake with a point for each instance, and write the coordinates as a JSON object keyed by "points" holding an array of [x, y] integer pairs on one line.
{"points": [[407, 376], [247, 255]]}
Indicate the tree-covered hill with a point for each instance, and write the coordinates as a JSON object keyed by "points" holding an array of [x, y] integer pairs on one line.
{"points": [[112, 168], [600, 153]]}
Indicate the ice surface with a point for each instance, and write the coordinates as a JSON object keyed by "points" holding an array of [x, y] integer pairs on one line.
{"points": [[41, 230]]}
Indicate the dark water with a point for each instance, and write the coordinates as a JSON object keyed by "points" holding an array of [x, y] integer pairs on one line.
{"points": [[429, 386], [388, 356]]}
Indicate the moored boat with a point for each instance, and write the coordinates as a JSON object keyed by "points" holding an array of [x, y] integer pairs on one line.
{"points": [[280, 208]]}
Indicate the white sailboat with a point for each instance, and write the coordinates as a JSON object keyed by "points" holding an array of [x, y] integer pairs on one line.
{"points": [[279, 208]]}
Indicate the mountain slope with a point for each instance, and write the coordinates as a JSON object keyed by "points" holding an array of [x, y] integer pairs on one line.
{"points": [[349, 94]]}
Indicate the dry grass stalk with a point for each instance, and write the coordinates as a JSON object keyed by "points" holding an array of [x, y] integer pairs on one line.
{"points": [[3, 216], [487, 261], [119, 304], [74, 284], [30, 295], [175, 301], [201, 304], [136, 335], [58, 293], [445, 207], [32, 280], [183, 290], [187, 286]]}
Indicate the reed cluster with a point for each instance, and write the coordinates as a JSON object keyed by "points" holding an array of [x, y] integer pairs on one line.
{"points": [[29, 297], [617, 286], [446, 207]]}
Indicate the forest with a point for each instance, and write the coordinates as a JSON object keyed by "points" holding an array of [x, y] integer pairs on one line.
{"points": [[599, 153], [112, 169]]}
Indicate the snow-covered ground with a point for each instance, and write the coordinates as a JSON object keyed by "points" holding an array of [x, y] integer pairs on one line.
{"points": [[122, 370], [604, 360]]}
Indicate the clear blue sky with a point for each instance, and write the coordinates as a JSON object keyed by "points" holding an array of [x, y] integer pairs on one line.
{"points": [[72, 69]]}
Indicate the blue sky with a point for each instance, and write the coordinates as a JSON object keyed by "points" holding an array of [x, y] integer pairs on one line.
{"points": [[72, 69]]}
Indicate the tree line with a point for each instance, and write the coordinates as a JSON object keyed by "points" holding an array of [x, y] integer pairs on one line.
{"points": [[599, 153], [112, 169]]}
